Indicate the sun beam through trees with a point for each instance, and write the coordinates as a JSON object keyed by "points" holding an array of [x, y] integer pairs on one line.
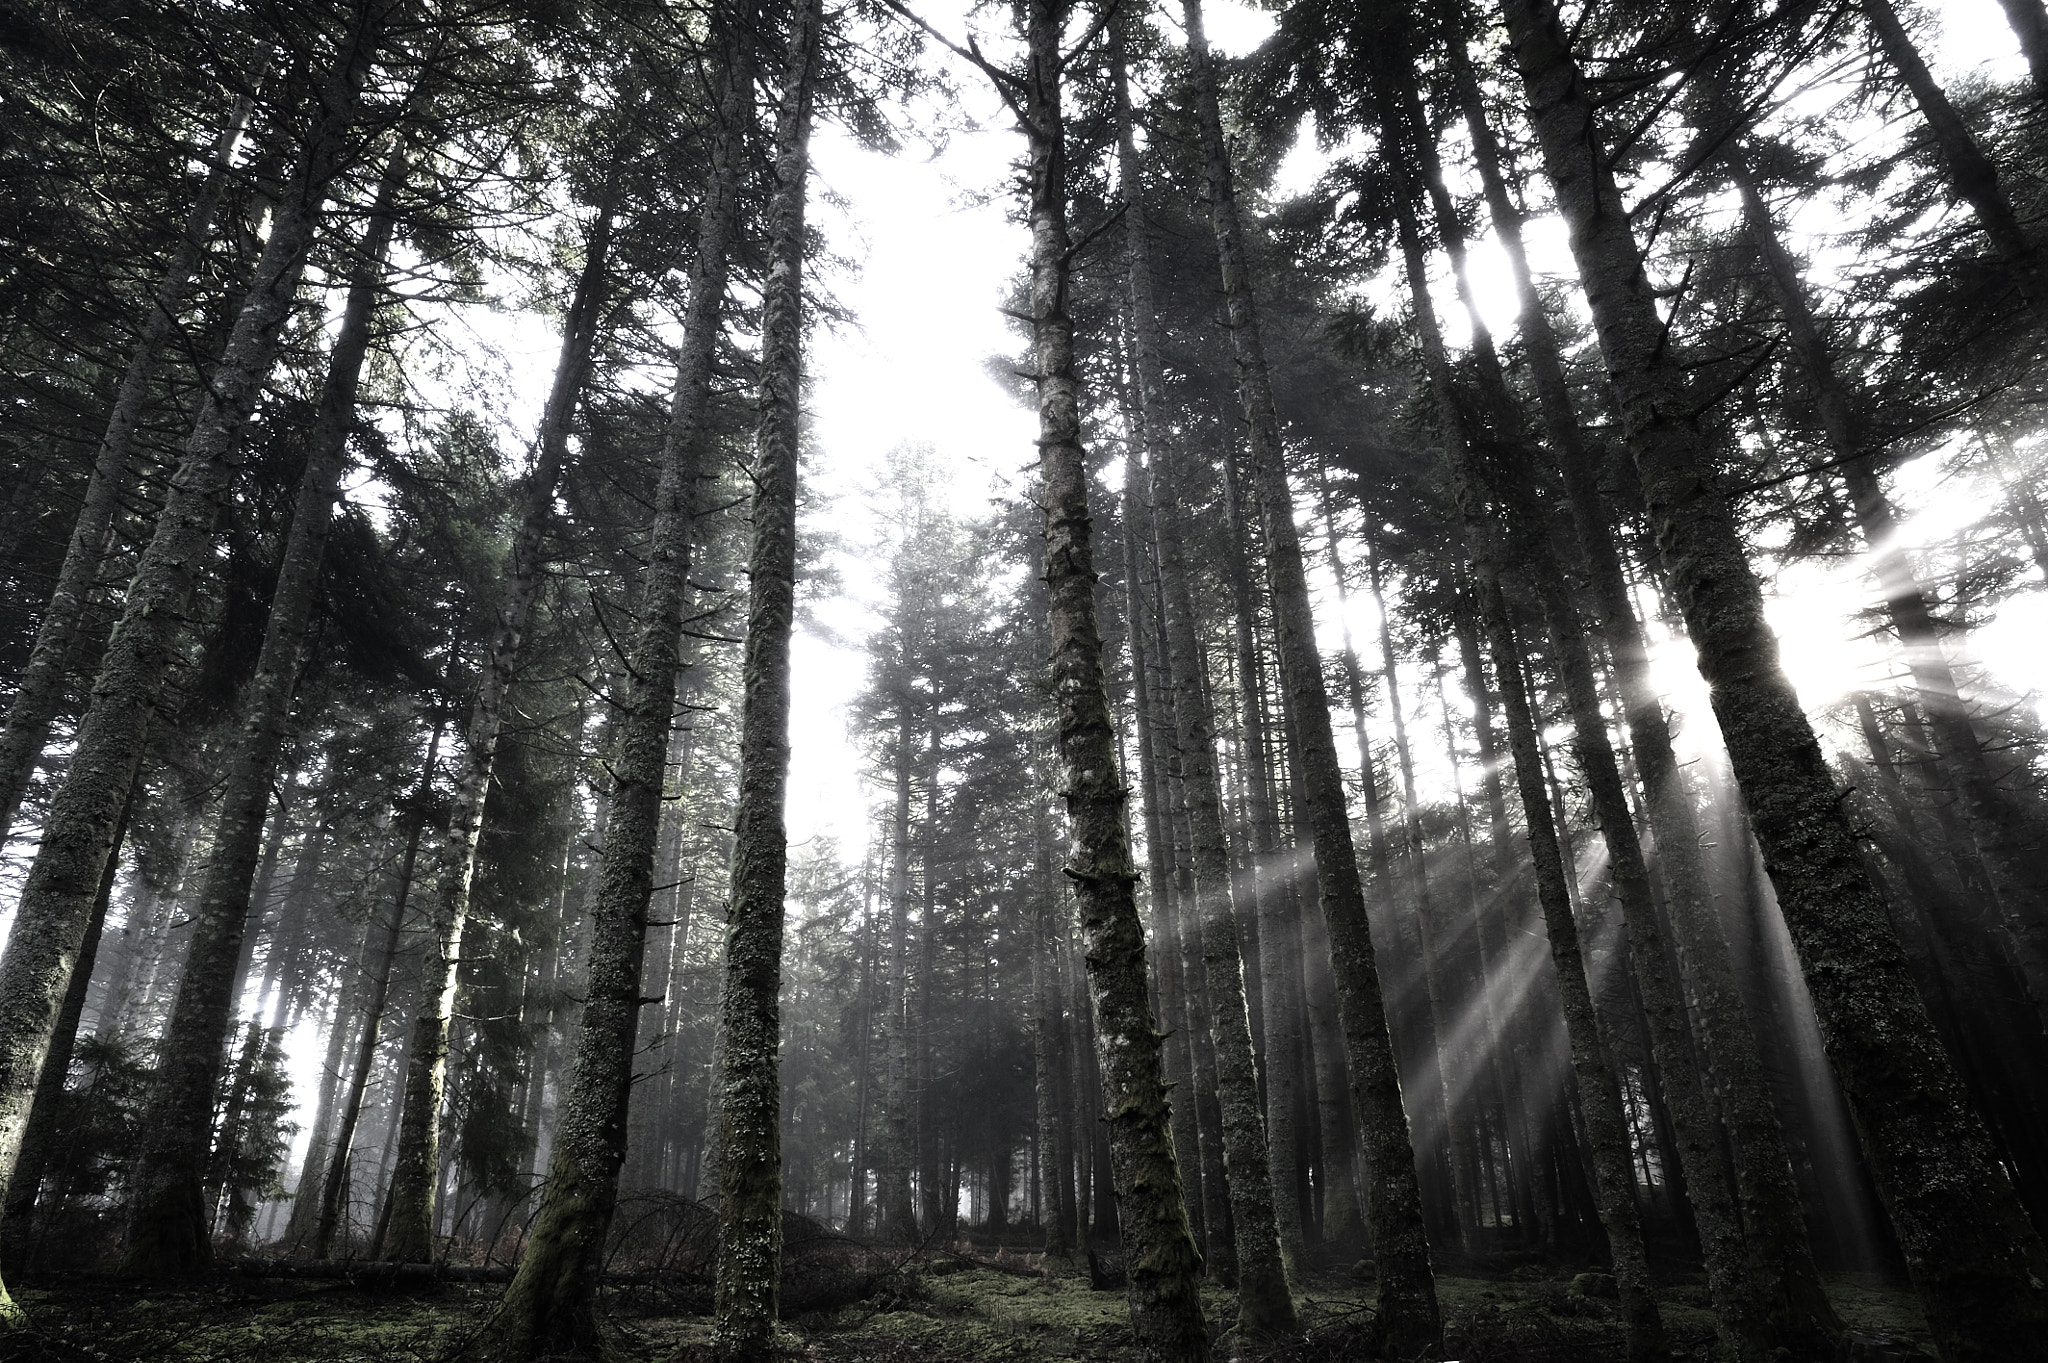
{"points": [[1050, 679]]}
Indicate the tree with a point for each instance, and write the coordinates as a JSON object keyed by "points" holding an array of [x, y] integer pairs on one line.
{"points": [[750, 1109], [1966, 1239]]}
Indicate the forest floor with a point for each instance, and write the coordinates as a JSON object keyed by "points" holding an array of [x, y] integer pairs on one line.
{"points": [[948, 1310]]}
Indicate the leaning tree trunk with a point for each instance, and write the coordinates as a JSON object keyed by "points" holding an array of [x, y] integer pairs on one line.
{"points": [[1408, 1319], [1159, 1251], [2000, 829], [1795, 1308], [40, 688], [168, 1230], [1971, 174], [550, 1307], [2029, 20], [1742, 1298], [56, 901], [43, 1136], [415, 1174], [748, 1288], [1979, 1266], [1265, 1307]]}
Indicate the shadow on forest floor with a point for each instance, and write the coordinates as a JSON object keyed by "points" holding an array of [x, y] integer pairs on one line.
{"points": [[945, 1310]]}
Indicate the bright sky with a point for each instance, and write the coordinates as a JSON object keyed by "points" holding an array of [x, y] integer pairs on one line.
{"points": [[937, 253]]}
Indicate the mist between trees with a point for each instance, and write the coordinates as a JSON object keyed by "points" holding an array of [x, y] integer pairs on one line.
{"points": [[1301, 864]]}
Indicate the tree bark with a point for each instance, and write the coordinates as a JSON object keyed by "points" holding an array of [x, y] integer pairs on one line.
{"points": [[1178, 1056], [1049, 1054], [1279, 929], [550, 1306], [1980, 1268], [168, 1230], [750, 1108], [410, 1238], [56, 901], [1159, 1251], [1408, 1320]]}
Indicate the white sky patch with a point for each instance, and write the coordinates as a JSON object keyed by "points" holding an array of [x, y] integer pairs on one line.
{"points": [[936, 254]]}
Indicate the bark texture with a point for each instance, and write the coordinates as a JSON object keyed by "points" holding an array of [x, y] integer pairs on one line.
{"points": [[750, 1105], [1159, 1251]]}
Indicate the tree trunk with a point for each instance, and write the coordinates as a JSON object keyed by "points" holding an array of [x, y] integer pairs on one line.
{"points": [[1436, 1095], [1740, 1310], [1279, 928], [1180, 970], [896, 1213], [1408, 1319], [1049, 1054], [42, 1137], [1606, 1129], [1977, 1263], [750, 1108], [1178, 1056], [550, 1306], [40, 688], [334, 1186], [1795, 1310], [1264, 1306], [2029, 20], [1159, 1251], [168, 1230], [305, 1213], [56, 901], [1971, 174], [411, 1238], [1999, 829]]}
